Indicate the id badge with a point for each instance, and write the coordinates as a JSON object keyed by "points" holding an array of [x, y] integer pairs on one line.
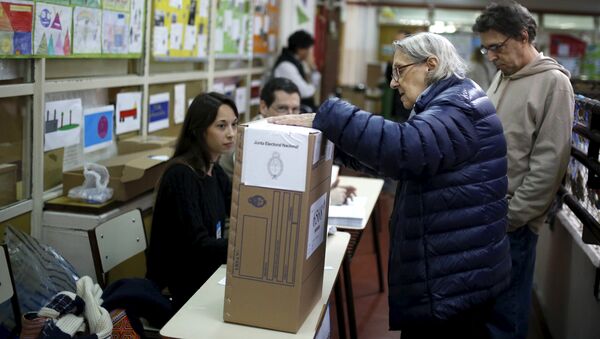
{"points": [[218, 232]]}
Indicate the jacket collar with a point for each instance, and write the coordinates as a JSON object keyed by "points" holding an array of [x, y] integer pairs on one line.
{"points": [[433, 91]]}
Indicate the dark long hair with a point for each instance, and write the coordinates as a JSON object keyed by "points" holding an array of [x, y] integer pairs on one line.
{"points": [[191, 145]]}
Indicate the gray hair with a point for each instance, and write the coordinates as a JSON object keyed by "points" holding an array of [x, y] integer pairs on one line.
{"points": [[423, 45]]}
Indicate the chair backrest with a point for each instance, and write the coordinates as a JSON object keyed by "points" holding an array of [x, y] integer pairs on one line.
{"points": [[116, 241], [7, 285]]}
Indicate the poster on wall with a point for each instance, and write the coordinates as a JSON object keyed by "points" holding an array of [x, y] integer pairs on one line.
{"points": [[97, 128], [180, 29], [158, 112], [233, 37], [265, 26], [136, 26], [16, 20], [115, 26], [62, 123], [52, 29], [87, 30], [128, 112]]}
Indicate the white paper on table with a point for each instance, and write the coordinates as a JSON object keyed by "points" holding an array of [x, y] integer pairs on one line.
{"points": [[128, 112], [179, 108], [63, 120], [350, 214], [190, 38], [218, 40], [316, 228], [158, 112], [161, 38], [176, 36], [201, 46], [279, 156], [241, 99]]}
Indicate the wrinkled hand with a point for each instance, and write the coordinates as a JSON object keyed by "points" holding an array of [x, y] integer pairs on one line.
{"points": [[302, 120]]}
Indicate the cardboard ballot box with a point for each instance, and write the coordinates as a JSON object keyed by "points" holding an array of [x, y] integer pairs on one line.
{"points": [[130, 175], [141, 143], [278, 225]]}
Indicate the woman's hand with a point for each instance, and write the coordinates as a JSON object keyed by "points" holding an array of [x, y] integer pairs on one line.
{"points": [[302, 120]]}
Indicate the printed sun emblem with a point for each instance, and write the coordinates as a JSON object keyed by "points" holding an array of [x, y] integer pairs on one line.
{"points": [[275, 165]]}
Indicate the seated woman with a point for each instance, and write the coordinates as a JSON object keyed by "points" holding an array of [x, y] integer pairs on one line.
{"points": [[449, 254], [193, 200]]}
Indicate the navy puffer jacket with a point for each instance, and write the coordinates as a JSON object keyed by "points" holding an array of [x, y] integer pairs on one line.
{"points": [[449, 250]]}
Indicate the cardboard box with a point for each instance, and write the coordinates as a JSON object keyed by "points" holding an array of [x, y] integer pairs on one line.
{"points": [[130, 175], [8, 184], [53, 168], [375, 75], [278, 225], [142, 143]]}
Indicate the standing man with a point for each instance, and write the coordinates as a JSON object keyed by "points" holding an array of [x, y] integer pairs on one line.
{"points": [[534, 100], [290, 65]]}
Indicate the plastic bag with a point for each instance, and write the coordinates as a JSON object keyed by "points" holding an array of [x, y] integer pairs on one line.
{"points": [[94, 189], [39, 271]]}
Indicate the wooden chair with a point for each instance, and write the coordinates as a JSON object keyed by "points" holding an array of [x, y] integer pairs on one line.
{"points": [[115, 241], [7, 287]]}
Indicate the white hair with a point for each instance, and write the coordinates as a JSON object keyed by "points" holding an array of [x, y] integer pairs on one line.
{"points": [[424, 45]]}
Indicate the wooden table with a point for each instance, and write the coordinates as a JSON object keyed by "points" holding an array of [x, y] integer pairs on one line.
{"points": [[202, 315]]}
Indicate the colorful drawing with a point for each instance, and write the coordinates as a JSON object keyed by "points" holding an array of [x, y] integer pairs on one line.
{"points": [[115, 36], [128, 110], [15, 27], [86, 31], [98, 128], [266, 26], [158, 112], [136, 26], [233, 20], [62, 124], [52, 29]]}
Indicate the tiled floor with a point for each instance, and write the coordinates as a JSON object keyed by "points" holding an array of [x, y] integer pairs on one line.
{"points": [[370, 305]]}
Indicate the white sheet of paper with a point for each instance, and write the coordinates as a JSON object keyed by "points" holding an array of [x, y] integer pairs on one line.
{"points": [[235, 30], [136, 19], [158, 118], [279, 156], [316, 228], [179, 108], [63, 120], [201, 46], [128, 112], [227, 20], [190, 38], [257, 24], [222, 281], [72, 157], [241, 99], [218, 40], [204, 7], [267, 23], [176, 36], [160, 42]]}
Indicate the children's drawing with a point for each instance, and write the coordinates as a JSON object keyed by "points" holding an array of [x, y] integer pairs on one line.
{"points": [[115, 36], [129, 109], [98, 128], [158, 113], [52, 29], [87, 3], [62, 123], [136, 26], [15, 28], [116, 5], [86, 30]]}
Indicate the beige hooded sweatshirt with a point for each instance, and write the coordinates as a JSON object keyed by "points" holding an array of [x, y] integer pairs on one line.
{"points": [[535, 106]]}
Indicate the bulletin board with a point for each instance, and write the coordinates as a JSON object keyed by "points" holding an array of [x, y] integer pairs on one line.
{"points": [[232, 34], [180, 29], [265, 28], [72, 28]]}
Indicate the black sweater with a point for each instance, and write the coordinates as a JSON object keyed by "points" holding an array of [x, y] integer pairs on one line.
{"points": [[184, 250]]}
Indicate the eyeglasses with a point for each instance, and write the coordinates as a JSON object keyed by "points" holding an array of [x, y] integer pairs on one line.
{"points": [[493, 48], [286, 109], [397, 73]]}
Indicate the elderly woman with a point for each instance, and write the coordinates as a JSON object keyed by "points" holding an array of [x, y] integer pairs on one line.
{"points": [[449, 255]]}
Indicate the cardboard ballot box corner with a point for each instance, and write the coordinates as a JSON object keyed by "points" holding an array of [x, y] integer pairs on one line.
{"points": [[130, 174], [278, 227]]}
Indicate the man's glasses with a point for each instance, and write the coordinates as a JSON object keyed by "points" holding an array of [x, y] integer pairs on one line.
{"points": [[493, 48], [397, 72], [286, 109]]}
